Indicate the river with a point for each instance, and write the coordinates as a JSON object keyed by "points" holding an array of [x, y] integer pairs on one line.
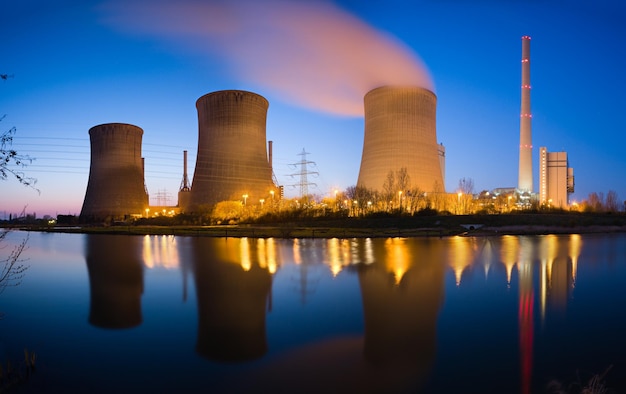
{"points": [[507, 314]]}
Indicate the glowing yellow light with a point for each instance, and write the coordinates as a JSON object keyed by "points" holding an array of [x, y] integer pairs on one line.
{"points": [[397, 258], [508, 254], [244, 250], [272, 265]]}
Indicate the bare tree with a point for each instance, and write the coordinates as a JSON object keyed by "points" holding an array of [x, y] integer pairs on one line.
{"points": [[466, 190], [10, 158], [611, 203], [12, 270], [389, 189], [466, 185], [403, 179], [595, 202]]}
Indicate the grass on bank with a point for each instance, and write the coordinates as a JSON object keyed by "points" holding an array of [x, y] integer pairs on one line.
{"points": [[368, 226]]}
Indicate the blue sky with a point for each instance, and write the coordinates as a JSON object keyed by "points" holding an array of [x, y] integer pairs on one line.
{"points": [[77, 64]]}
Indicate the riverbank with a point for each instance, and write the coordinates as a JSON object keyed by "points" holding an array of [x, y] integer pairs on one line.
{"points": [[379, 227]]}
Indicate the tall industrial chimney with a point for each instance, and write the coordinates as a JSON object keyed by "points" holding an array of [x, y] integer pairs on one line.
{"points": [[116, 188], [184, 192], [400, 133], [184, 185], [525, 180], [232, 159]]}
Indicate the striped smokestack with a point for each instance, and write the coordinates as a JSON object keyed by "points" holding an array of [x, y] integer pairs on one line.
{"points": [[525, 180]]}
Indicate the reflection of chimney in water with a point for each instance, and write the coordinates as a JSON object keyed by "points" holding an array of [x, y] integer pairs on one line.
{"points": [[116, 280], [232, 299]]}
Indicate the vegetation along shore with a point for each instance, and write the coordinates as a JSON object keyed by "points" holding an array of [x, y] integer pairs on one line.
{"points": [[425, 225]]}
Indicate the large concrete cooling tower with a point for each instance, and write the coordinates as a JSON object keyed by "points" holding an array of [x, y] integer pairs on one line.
{"points": [[116, 188], [400, 132], [232, 158]]}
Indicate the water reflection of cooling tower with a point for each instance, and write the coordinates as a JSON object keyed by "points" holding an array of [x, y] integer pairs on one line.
{"points": [[232, 299], [402, 294], [115, 271], [400, 132], [232, 157], [116, 186]]}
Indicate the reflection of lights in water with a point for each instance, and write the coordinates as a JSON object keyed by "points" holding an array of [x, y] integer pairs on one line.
{"points": [[271, 255], [244, 249], [334, 256], [461, 256], [340, 254], [297, 259], [509, 254], [260, 253], [487, 258], [266, 254], [525, 315], [548, 251], [369, 252], [160, 251], [575, 245], [397, 257]]}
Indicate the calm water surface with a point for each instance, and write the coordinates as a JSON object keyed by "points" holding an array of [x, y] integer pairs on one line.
{"points": [[110, 313]]}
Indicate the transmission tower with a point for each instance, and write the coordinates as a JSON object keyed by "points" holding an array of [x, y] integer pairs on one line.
{"points": [[304, 174], [163, 198]]}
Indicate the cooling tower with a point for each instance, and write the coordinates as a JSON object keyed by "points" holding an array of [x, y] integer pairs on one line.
{"points": [[525, 180], [232, 158], [400, 132], [116, 188]]}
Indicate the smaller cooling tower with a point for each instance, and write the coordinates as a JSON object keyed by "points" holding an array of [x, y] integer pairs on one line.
{"points": [[116, 188], [232, 157], [400, 132]]}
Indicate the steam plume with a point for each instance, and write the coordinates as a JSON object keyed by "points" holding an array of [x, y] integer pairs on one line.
{"points": [[311, 53]]}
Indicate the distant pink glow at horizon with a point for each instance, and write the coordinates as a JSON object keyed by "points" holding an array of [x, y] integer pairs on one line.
{"points": [[312, 54]]}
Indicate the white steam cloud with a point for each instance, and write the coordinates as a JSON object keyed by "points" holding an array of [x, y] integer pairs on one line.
{"points": [[310, 53]]}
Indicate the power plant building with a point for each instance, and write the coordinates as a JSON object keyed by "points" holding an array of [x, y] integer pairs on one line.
{"points": [[232, 161], [400, 133], [116, 188], [556, 179]]}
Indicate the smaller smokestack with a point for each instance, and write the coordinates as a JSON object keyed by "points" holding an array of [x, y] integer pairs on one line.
{"points": [[185, 164], [184, 186], [143, 175], [270, 143]]}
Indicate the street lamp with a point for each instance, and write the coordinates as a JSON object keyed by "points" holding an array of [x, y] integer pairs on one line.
{"points": [[245, 199], [400, 199], [459, 194], [272, 193], [262, 201]]}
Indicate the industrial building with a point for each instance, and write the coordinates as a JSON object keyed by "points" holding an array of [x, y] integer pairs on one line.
{"points": [[400, 132], [232, 161], [116, 188], [556, 179]]}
